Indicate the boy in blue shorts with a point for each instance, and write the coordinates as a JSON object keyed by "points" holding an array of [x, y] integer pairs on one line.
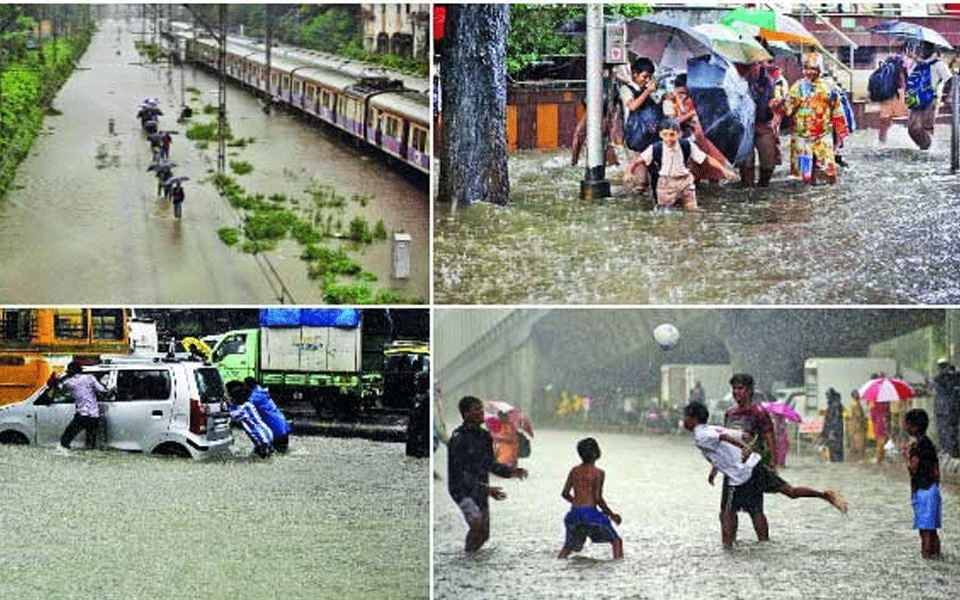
{"points": [[584, 491], [924, 470]]}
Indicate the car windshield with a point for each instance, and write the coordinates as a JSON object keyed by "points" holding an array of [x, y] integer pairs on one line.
{"points": [[209, 384]]}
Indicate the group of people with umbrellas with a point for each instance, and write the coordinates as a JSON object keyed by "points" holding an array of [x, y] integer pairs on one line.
{"points": [[721, 82], [879, 392], [168, 185]]}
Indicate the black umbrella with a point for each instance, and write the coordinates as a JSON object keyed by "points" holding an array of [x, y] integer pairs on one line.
{"points": [[175, 180], [158, 166], [724, 105]]}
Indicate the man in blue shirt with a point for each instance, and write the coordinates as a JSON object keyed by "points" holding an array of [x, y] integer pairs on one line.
{"points": [[245, 414], [259, 396]]}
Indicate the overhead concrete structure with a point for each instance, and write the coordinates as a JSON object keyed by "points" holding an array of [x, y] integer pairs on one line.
{"points": [[528, 356]]}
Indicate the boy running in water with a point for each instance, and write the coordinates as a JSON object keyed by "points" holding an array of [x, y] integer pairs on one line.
{"points": [[748, 479], [584, 491]]}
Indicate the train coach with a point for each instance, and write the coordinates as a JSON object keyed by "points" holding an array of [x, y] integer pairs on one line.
{"points": [[389, 113]]}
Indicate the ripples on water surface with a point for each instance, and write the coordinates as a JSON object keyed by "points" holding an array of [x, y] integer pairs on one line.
{"points": [[337, 518], [672, 535], [886, 233]]}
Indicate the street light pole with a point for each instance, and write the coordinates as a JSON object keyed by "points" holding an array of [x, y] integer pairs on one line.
{"points": [[594, 185], [955, 121]]}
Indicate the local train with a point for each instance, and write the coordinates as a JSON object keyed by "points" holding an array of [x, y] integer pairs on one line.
{"points": [[369, 103]]}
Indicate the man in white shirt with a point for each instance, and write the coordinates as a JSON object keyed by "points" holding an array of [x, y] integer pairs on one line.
{"points": [[748, 478]]}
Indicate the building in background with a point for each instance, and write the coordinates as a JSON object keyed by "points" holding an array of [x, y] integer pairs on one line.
{"points": [[401, 29]]}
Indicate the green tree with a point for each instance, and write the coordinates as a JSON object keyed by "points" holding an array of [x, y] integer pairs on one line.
{"points": [[536, 30], [331, 29]]}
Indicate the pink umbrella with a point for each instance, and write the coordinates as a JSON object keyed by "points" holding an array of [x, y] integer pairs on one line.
{"points": [[784, 410], [492, 408], [886, 389]]}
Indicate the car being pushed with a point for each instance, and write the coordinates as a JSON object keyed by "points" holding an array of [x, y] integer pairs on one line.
{"points": [[159, 406]]}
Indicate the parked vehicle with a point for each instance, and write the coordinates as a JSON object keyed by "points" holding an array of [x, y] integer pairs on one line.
{"points": [[167, 407], [35, 342], [402, 361], [308, 358], [841, 374], [676, 381]]}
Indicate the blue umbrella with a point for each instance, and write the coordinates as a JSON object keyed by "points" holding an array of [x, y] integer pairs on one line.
{"points": [[724, 105], [912, 31]]}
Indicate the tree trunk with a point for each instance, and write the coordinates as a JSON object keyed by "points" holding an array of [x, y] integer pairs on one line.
{"points": [[473, 154]]}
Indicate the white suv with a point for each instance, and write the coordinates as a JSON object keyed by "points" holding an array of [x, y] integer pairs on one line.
{"points": [[167, 407]]}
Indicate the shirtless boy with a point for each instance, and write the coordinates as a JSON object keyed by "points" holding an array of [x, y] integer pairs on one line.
{"points": [[584, 491]]}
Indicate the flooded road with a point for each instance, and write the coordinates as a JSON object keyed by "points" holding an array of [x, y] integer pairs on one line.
{"points": [[84, 203], [887, 233], [344, 518], [671, 533]]}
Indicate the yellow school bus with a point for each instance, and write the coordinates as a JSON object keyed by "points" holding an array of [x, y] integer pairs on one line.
{"points": [[35, 342]]}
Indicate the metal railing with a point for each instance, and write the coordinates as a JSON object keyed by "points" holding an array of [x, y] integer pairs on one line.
{"points": [[803, 8]]}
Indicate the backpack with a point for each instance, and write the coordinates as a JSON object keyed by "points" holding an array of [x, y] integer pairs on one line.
{"points": [[654, 169], [885, 81], [640, 129], [657, 161], [920, 92]]}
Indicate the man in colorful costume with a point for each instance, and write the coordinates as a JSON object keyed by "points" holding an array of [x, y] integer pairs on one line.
{"points": [[818, 115]]}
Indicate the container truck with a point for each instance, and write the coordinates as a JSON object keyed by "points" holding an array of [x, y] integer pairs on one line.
{"points": [[676, 381], [841, 374]]}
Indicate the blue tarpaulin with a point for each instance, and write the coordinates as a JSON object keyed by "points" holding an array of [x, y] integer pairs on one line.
{"points": [[314, 317]]}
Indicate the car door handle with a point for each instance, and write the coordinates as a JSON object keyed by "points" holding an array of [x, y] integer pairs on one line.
{"points": [[157, 413]]}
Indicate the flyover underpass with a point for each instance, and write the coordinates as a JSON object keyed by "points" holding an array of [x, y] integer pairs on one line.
{"points": [[524, 355]]}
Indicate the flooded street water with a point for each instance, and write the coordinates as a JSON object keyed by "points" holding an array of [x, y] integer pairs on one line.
{"points": [[887, 233], [338, 518], [671, 533], [83, 200]]}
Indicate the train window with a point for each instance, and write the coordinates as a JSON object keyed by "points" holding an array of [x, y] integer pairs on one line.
{"points": [[286, 82], [418, 139], [296, 87], [311, 92], [393, 127], [325, 98]]}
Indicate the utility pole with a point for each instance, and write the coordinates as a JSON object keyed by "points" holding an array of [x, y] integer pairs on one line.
{"points": [[269, 24], [220, 35], [595, 184], [222, 93], [955, 121]]}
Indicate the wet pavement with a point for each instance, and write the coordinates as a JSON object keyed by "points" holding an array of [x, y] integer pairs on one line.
{"points": [[343, 518], [83, 202], [887, 233], [671, 534]]}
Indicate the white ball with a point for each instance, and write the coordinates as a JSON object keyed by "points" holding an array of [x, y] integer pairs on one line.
{"points": [[666, 336]]}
